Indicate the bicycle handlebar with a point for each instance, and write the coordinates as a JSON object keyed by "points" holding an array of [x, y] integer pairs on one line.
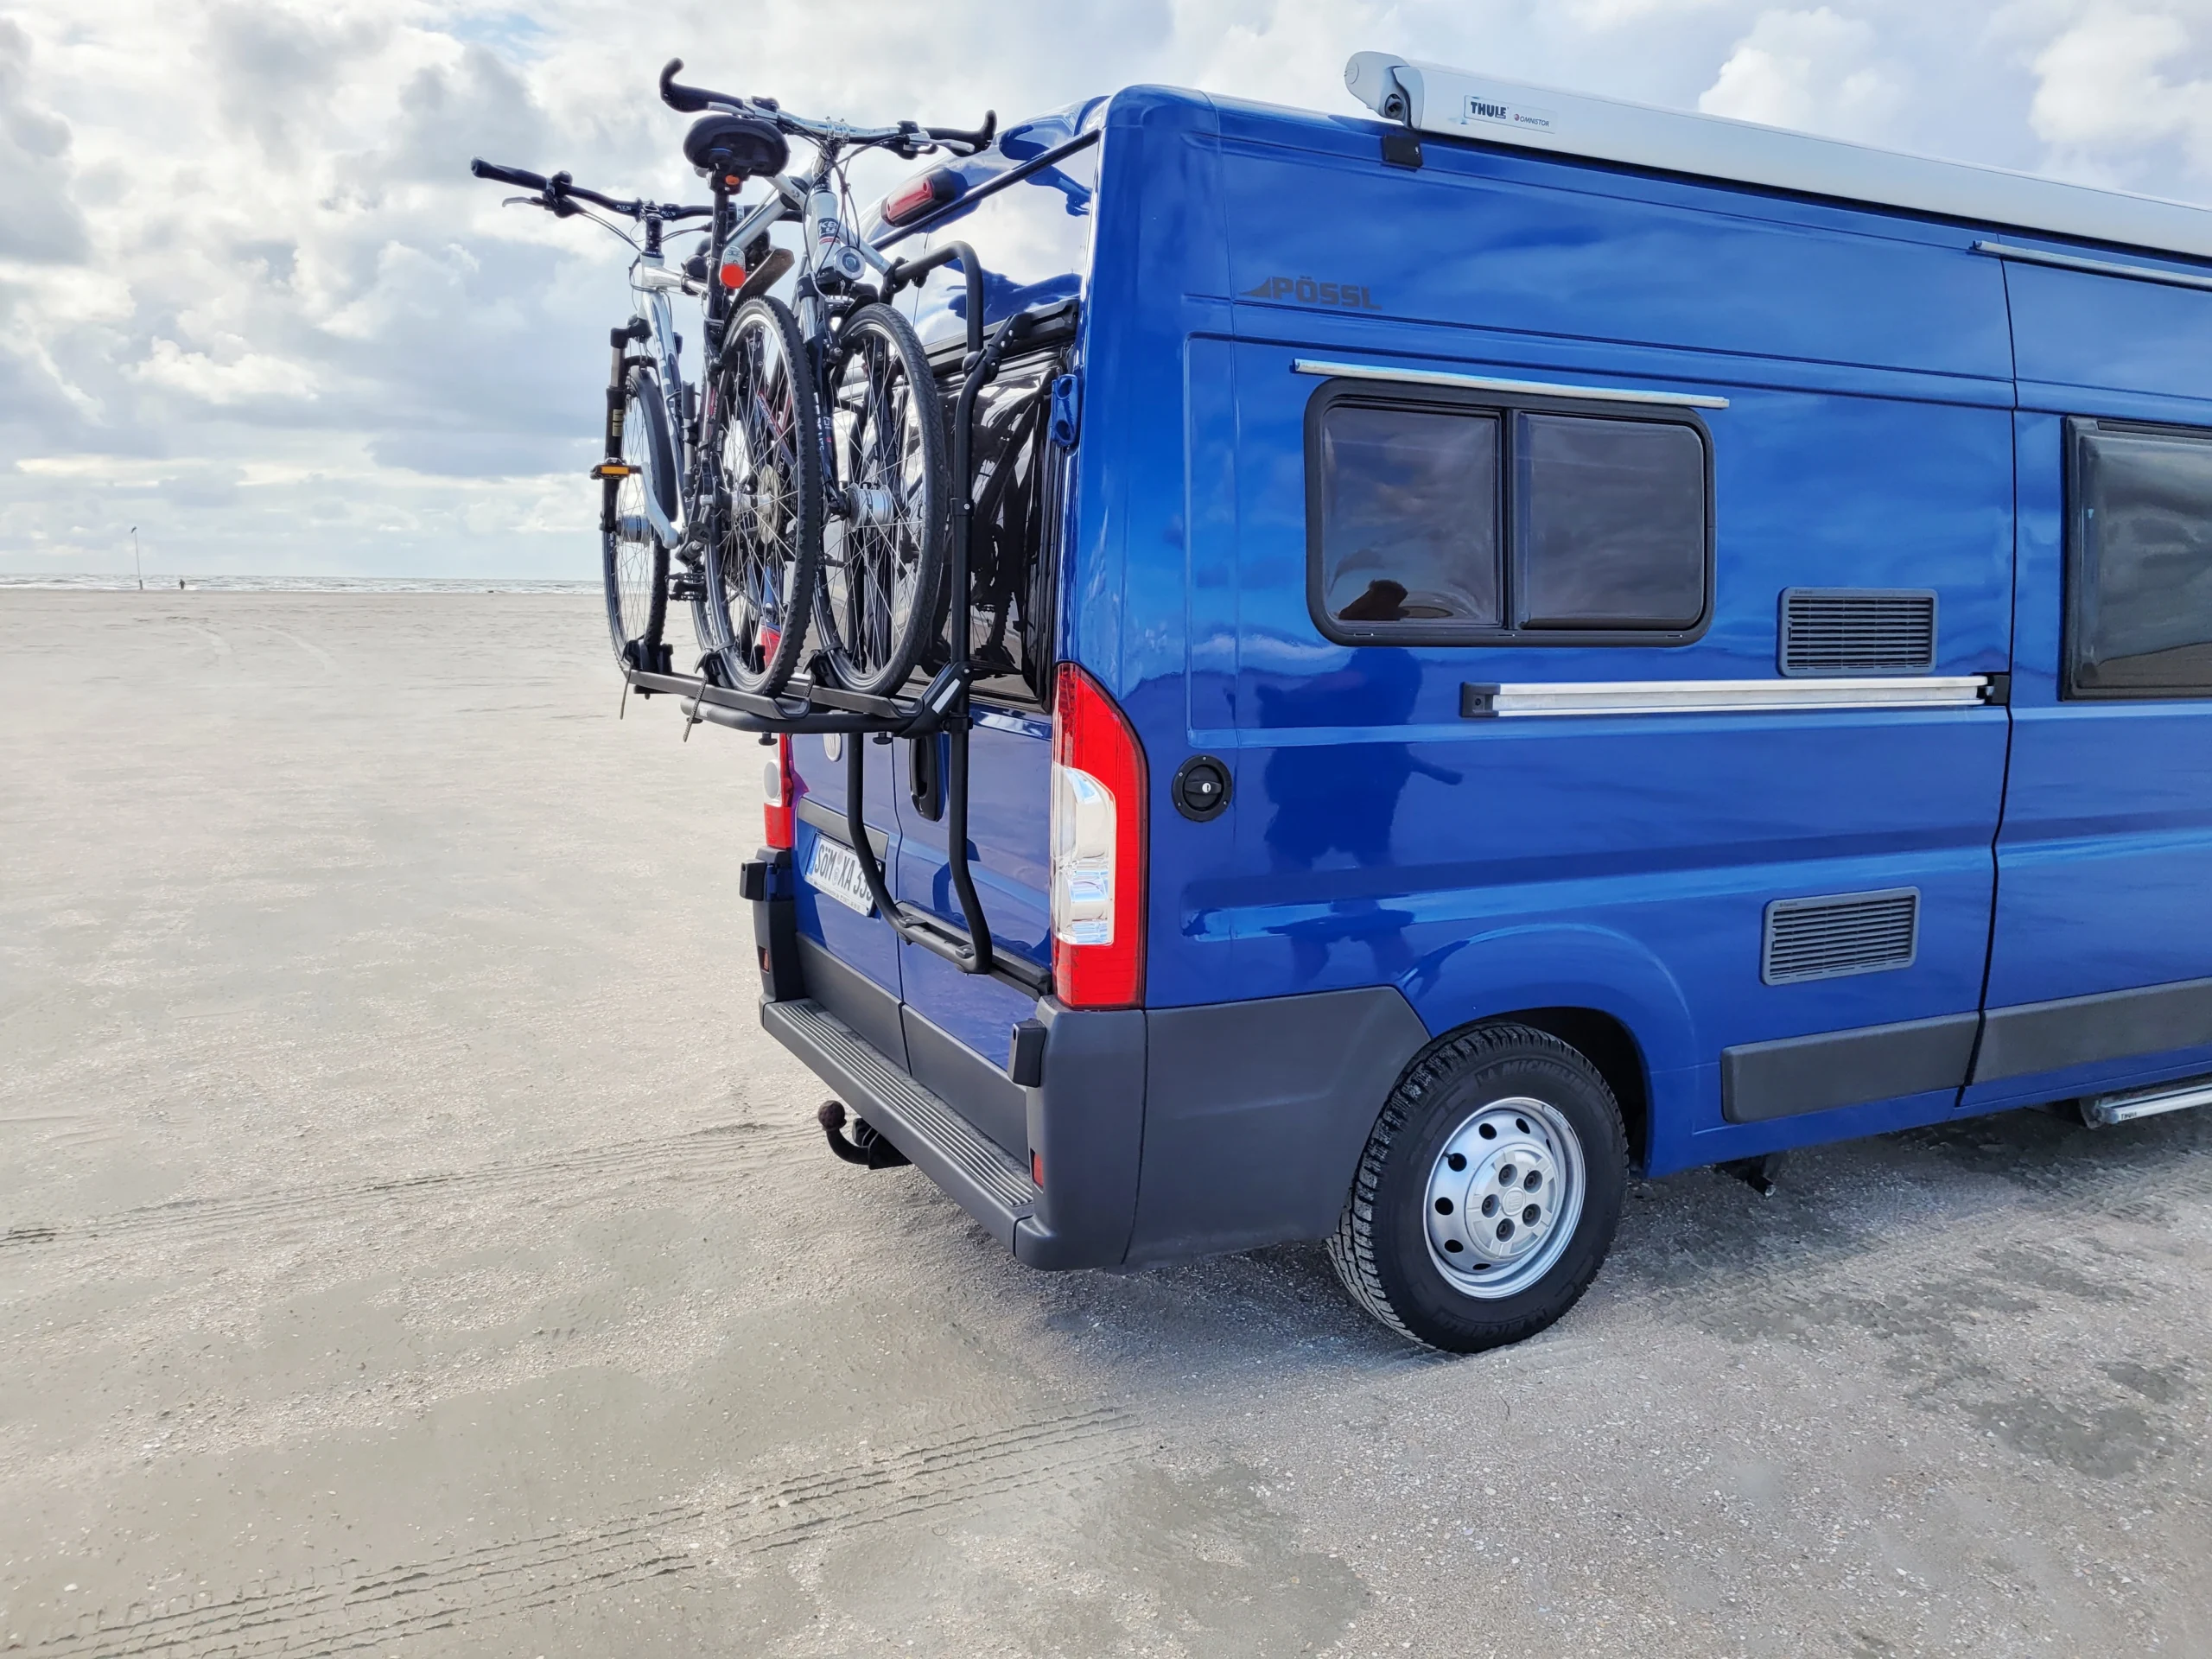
{"points": [[554, 194], [980, 138], [513, 175], [902, 138]]}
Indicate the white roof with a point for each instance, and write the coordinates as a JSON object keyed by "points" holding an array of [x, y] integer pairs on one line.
{"points": [[1463, 103]]}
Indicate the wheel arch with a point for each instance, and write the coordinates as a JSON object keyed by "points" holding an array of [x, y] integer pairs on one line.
{"points": [[1598, 989]]}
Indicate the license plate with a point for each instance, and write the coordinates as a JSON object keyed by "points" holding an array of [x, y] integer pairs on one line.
{"points": [[833, 869]]}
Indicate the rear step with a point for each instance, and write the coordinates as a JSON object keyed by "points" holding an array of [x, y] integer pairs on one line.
{"points": [[952, 1152], [2102, 1111]]}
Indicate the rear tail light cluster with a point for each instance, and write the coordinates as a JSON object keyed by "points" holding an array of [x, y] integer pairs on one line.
{"points": [[777, 789], [1098, 843]]}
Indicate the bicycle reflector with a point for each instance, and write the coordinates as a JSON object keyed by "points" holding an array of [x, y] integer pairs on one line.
{"points": [[778, 791], [938, 187], [1098, 841]]}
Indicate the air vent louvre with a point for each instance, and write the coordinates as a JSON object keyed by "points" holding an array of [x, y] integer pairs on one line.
{"points": [[1848, 933], [1858, 631]]}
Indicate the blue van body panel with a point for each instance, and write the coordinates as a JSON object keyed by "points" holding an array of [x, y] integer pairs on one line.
{"points": [[1389, 870], [860, 941], [1375, 837]]}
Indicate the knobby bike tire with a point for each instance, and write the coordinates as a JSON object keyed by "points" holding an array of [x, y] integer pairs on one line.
{"points": [[884, 553], [632, 558], [764, 527]]}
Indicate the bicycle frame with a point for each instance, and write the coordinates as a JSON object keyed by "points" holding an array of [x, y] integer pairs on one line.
{"points": [[651, 282]]}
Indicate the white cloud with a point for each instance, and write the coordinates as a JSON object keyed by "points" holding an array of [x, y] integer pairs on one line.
{"points": [[239, 377], [1812, 70], [2104, 86], [249, 292]]}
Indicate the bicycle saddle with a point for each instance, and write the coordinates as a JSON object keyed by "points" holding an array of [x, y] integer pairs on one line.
{"points": [[739, 146]]}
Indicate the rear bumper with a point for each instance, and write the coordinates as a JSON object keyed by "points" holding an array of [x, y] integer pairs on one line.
{"points": [[1162, 1133]]}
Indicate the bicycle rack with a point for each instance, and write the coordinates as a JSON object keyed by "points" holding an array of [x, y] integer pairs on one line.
{"points": [[941, 706]]}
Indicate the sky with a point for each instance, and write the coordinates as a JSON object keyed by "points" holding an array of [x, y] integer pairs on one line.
{"points": [[253, 304]]}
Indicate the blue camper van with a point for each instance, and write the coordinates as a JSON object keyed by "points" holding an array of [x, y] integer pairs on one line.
{"points": [[1512, 641]]}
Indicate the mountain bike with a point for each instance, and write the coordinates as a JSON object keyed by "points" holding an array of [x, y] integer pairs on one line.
{"points": [[859, 552], [665, 474]]}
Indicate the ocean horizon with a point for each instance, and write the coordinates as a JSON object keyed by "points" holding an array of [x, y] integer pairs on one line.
{"points": [[167, 582]]}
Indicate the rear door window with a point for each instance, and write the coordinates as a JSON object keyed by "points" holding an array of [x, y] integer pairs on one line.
{"points": [[2141, 622]]}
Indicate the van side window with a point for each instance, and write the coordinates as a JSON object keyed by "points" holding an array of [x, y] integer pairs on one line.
{"points": [[1409, 516], [1611, 522], [1440, 517], [2141, 562]]}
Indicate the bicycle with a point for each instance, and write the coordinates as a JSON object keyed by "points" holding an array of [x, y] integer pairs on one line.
{"points": [[740, 483], [865, 566], [659, 481]]}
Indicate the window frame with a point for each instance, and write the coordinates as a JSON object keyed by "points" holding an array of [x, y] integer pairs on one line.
{"points": [[1512, 575], [2077, 583]]}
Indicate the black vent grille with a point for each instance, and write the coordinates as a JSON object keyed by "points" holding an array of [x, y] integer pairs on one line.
{"points": [[1858, 631], [1849, 933]]}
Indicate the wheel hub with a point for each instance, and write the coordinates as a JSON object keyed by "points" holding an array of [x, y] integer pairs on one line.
{"points": [[1503, 1196], [874, 504]]}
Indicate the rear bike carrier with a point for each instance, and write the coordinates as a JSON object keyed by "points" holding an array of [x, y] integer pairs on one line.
{"points": [[941, 706]]}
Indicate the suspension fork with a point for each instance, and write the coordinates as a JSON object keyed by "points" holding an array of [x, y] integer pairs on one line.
{"points": [[618, 397]]}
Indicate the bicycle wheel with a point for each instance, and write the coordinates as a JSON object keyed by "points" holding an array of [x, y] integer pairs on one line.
{"points": [[883, 558], [764, 540], [634, 561]]}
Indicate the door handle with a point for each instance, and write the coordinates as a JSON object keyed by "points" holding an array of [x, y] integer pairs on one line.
{"points": [[926, 775]]}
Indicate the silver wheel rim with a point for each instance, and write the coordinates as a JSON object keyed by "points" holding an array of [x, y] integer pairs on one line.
{"points": [[1503, 1197], [759, 463], [635, 541], [871, 558]]}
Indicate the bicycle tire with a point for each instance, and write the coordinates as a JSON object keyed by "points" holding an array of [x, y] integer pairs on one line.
{"points": [[632, 556], [764, 532], [883, 557]]}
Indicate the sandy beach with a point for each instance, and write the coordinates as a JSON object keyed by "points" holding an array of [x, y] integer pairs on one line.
{"points": [[409, 1244]]}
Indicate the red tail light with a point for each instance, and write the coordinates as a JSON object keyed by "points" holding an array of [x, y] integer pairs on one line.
{"points": [[1098, 843], [936, 188], [776, 786]]}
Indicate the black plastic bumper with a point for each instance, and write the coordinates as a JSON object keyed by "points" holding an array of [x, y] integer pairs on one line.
{"points": [[1162, 1133]]}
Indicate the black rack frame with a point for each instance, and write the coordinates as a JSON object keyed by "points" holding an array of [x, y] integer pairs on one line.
{"points": [[941, 706]]}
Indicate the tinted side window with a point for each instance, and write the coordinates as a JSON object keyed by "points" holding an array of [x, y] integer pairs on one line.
{"points": [[2142, 588], [1611, 523], [1409, 516]]}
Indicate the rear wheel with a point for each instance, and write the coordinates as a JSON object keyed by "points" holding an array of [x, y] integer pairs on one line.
{"points": [[632, 557], [764, 542], [1488, 1192], [883, 553]]}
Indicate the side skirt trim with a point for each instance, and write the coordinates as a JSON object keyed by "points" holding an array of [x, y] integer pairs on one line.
{"points": [[2032, 1037], [1760, 1081]]}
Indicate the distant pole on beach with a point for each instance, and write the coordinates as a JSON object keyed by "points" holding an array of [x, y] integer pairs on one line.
{"points": [[135, 565]]}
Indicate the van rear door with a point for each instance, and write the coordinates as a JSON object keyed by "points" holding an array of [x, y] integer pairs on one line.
{"points": [[846, 947], [1019, 487], [1031, 238]]}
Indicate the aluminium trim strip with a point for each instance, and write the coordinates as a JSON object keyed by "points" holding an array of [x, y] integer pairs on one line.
{"points": [[1720, 697], [1488, 383], [2101, 267]]}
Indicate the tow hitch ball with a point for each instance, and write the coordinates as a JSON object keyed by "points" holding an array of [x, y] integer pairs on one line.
{"points": [[867, 1147]]}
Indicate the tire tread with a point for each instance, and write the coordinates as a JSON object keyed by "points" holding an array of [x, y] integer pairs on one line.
{"points": [[1352, 1247]]}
